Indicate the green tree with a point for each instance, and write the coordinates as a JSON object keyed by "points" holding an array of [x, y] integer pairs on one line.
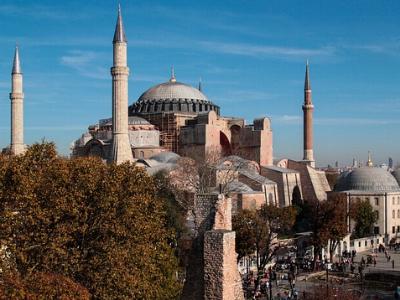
{"points": [[99, 225], [364, 216], [250, 232]]}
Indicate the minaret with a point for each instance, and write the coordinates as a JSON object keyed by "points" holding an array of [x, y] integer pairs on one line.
{"points": [[173, 78], [200, 85], [121, 148], [308, 109], [17, 146], [369, 162]]}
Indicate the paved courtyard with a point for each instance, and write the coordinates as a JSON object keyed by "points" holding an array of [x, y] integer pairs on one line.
{"points": [[381, 262], [304, 282]]}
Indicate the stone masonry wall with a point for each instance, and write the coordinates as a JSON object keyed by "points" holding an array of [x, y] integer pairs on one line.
{"points": [[212, 272]]}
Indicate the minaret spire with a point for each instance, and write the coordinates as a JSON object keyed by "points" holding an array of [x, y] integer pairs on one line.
{"points": [[16, 69], [307, 84], [17, 146], [121, 148], [200, 85], [172, 79], [119, 34], [369, 162], [308, 109]]}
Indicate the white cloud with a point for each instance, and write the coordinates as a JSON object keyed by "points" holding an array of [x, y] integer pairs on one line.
{"points": [[39, 12], [49, 128], [84, 62], [267, 51], [296, 119]]}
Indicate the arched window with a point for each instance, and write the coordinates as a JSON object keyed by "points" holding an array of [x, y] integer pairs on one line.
{"points": [[271, 199], [398, 213], [393, 201], [393, 214]]}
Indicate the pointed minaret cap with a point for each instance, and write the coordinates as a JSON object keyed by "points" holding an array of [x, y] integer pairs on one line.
{"points": [[200, 85], [172, 79], [16, 64], [370, 163], [307, 84], [119, 35]]}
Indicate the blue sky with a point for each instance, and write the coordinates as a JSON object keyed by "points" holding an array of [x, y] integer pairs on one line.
{"points": [[250, 55]]}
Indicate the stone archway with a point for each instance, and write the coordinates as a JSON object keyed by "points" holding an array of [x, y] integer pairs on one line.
{"points": [[94, 148], [235, 138], [296, 196], [226, 148]]}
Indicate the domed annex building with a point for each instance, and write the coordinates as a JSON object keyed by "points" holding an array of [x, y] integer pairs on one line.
{"points": [[381, 189]]}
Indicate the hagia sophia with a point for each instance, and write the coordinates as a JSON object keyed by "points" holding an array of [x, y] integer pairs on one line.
{"points": [[173, 119], [176, 117]]}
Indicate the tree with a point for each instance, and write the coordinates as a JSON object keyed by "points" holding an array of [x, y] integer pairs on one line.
{"points": [[364, 216], [98, 225], [53, 286], [250, 232], [335, 228], [202, 175], [327, 222], [257, 232]]}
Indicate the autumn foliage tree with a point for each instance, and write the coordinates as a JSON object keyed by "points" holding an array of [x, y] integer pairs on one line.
{"points": [[335, 227], [327, 222], [99, 226], [257, 232]]}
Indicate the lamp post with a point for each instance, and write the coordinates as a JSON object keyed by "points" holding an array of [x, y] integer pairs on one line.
{"points": [[270, 282], [327, 275]]}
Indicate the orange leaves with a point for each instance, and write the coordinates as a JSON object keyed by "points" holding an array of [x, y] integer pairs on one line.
{"points": [[81, 220]]}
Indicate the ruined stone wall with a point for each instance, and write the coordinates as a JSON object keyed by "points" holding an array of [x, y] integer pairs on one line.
{"points": [[256, 142], [203, 213], [212, 272], [222, 278], [221, 274]]}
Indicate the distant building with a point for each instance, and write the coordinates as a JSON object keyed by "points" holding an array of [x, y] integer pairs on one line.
{"points": [[381, 189], [390, 163]]}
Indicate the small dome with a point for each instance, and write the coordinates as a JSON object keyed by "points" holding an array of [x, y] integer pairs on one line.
{"points": [[367, 179], [166, 157], [137, 121], [172, 96], [134, 120]]}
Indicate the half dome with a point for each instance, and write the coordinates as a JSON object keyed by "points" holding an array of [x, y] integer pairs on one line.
{"points": [[396, 174], [367, 179]]}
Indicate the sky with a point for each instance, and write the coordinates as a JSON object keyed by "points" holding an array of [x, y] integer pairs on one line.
{"points": [[250, 56]]}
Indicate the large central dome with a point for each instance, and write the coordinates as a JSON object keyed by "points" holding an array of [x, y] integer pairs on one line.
{"points": [[367, 179], [172, 96]]}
